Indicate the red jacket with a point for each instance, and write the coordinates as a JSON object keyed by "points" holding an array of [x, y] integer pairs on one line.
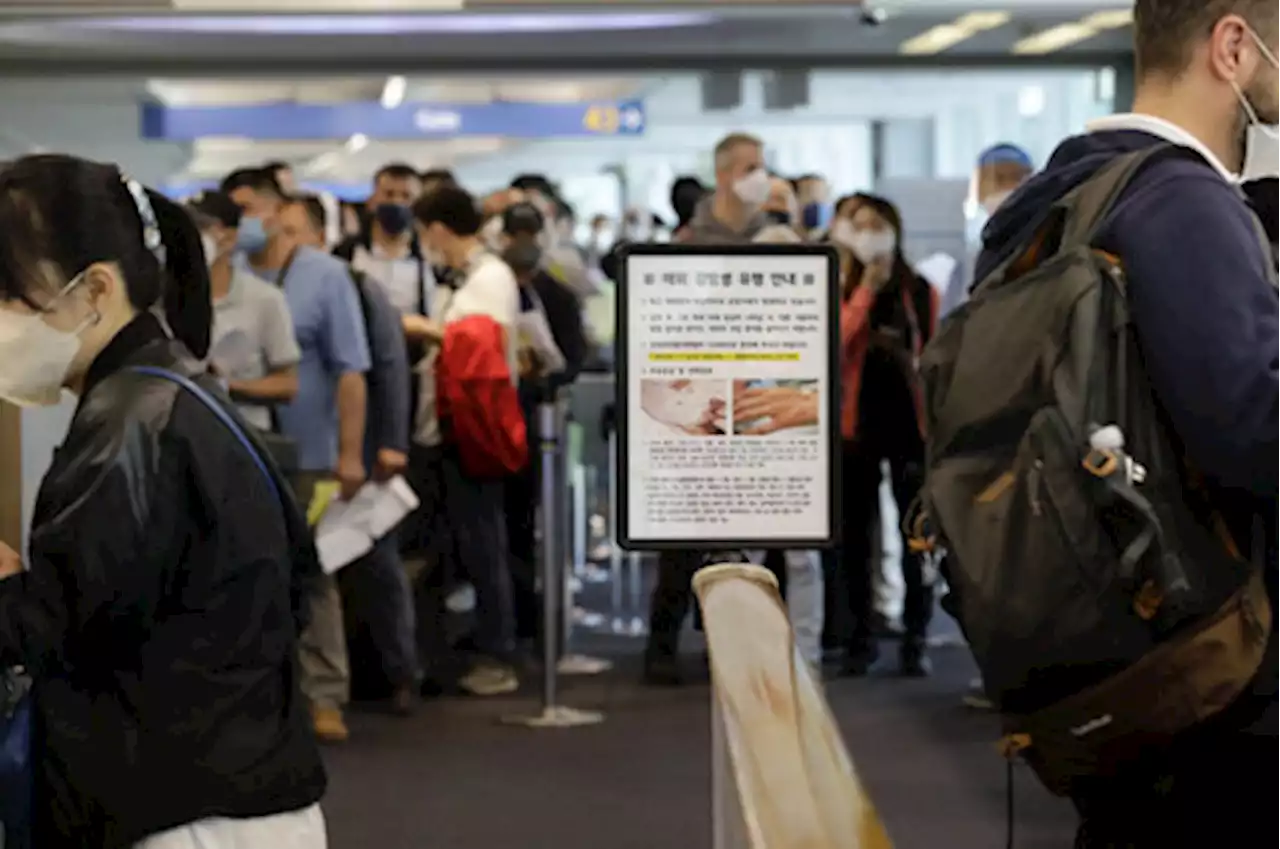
{"points": [[855, 334]]}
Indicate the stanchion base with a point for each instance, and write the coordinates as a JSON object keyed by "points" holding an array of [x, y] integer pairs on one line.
{"points": [[580, 664], [558, 716]]}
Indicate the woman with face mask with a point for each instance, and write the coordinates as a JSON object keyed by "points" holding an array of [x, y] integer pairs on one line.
{"points": [[841, 230], [887, 315], [159, 606]]}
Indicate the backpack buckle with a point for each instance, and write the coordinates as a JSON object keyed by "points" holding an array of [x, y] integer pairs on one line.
{"points": [[1101, 463]]}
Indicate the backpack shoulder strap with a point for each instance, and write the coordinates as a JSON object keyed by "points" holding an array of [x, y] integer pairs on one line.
{"points": [[219, 412], [1086, 207]]}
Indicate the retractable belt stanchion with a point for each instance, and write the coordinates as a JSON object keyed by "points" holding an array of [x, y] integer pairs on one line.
{"points": [[618, 624], [553, 714], [570, 489]]}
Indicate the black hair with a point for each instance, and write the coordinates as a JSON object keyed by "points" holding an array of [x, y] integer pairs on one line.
{"points": [[536, 183], [314, 208], [261, 180], [522, 219], [451, 206], [855, 197], [685, 194], [397, 171], [1166, 31], [439, 175], [72, 213], [275, 166]]}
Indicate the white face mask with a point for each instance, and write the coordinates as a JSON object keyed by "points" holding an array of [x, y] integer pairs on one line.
{"points": [[753, 189], [842, 232], [870, 245], [35, 356], [1261, 141]]}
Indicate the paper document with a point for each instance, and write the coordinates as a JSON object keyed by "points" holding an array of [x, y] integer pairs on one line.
{"points": [[348, 529], [534, 334]]}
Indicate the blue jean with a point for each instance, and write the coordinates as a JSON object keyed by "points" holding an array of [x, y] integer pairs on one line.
{"points": [[379, 599], [805, 602]]}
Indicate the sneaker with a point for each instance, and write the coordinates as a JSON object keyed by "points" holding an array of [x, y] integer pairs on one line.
{"points": [[329, 726], [489, 679], [976, 698]]}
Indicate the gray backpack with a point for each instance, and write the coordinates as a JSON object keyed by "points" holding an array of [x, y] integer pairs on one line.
{"points": [[1104, 607]]}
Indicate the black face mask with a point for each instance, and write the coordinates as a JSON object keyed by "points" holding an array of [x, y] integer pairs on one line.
{"points": [[522, 258], [776, 217], [393, 218]]}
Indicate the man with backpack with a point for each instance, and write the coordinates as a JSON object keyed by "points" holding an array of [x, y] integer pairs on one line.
{"points": [[1103, 451]]}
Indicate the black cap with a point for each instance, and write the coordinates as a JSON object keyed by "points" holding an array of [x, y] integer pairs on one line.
{"points": [[522, 219], [215, 207]]}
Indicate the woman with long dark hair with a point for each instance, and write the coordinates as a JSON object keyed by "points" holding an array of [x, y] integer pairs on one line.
{"points": [[887, 314], [158, 611]]}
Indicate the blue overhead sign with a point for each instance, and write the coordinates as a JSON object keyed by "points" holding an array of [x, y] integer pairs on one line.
{"points": [[311, 121]]}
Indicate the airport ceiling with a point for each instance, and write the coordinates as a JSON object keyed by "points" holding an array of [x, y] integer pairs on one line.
{"points": [[228, 38]]}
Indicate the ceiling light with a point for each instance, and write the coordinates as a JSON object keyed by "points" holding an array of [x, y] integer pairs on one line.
{"points": [[357, 143], [946, 36], [1065, 35], [393, 92], [1110, 19], [1054, 38]]}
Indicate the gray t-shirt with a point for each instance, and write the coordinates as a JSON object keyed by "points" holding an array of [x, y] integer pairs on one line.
{"points": [[252, 336]]}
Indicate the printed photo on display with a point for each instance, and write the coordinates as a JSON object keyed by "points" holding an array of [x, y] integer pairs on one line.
{"points": [[684, 407], [769, 407]]}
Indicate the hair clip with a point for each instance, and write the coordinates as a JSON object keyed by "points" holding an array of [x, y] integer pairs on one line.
{"points": [[151, 238]]}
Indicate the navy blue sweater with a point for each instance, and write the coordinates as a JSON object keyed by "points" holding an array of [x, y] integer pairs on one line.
{"points": [[1205, 309], [1200, 292]]}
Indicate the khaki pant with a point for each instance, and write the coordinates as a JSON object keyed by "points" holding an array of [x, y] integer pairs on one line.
{"points": [[326, 671]]}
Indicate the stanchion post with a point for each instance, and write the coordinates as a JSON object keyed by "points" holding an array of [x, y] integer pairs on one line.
{"points": [[553, 714], [615, 550]]}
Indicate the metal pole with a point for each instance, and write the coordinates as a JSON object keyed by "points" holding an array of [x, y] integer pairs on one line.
{"points": [[552, 715], [615, 551], [549, 449]]}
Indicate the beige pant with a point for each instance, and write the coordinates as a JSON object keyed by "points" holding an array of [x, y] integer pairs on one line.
{"points": [[303, 829], [326, 671]]}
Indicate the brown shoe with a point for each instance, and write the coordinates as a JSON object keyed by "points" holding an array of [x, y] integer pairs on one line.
{"points": [[329, 725]]}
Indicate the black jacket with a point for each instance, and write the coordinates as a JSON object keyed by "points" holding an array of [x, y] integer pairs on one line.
{"points": [[159, 615]]}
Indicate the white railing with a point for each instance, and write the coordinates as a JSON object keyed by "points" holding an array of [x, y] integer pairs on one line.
{"points": [[782, 778]]}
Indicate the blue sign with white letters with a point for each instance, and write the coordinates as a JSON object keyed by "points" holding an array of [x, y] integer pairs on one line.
{"points": [[313, 121]]}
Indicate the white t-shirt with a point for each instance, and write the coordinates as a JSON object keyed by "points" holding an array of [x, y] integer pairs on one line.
{"points": [[489, 288], [407, 280]]}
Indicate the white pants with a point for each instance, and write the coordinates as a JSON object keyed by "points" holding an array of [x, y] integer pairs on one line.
{"points": [[302, 829]]}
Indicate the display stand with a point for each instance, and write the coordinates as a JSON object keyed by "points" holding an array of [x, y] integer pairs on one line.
{"points": [[552, 713]]}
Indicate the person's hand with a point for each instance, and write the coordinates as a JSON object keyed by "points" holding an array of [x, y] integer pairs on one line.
{"points": [[712, 420], [390, 463], [351, 476], [420, 327], [774, 409], [10, 562], [877, 273], [527, 360]]}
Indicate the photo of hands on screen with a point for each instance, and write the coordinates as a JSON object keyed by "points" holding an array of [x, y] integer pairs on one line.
{"points": [[710, 407], [688, 407], [767, 407]]}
